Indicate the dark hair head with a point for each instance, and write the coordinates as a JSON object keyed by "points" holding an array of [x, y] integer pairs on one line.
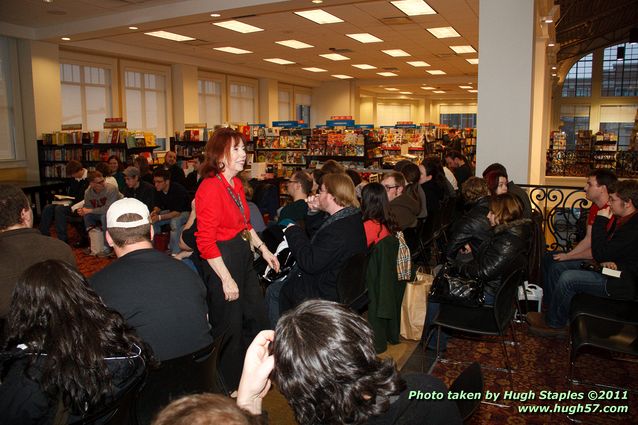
{"points": [[455, 155], [399, 178], [506, 207], [73, 167], [127, 236], [55, 312], [495, 167], [218, 148], [474, 189], [317, 176], [200, 157], [327, 368], [103, 168], [332, 167], [492, 178], [119, 161], [12, 202], [627, 190], [604, 177], [375, 206], [142, 163], [304, 180], [354, 176], [204, 409], [162, 173], [412, 175], [92, 175]]}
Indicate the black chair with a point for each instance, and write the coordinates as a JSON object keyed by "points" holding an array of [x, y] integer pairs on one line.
{"points": [[190, 374], [484, 320], [351, 282], [603, 308], [469, 381]]}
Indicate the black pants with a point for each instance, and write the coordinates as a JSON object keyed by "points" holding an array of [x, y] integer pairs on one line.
{"points": [[242, 319]]}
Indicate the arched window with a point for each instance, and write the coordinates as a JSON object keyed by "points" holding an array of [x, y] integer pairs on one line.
{"points": [[620, 70], [578, 80]]}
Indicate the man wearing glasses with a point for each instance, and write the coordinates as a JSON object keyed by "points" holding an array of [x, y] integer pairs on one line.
{"points": [[404, 207], [97, 199], [299, 186]]}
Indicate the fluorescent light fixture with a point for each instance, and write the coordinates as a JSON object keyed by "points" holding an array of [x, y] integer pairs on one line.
{"points": [[466, 87], [553, 67], [391, 89], [553, 75], [238, 26], [549, 20], [387, 74], [396, 53], [319, 16], [463, 49], [279, 61], [551, 44], [215, 15], [313, 69], [405, 92], [335, 57], [443, 32], [294, 44], [317, 1], [473, 91], [169, 36], [427, 88], [342, 76], [473, 61], [133, 28], [364, 37], [364, 66], [414, 7], [438, 91], [233, 50], [418, 64], [66, 39], [435, 72]]}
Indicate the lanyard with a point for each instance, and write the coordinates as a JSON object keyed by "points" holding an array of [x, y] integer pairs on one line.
{"points": [[237, 201]]}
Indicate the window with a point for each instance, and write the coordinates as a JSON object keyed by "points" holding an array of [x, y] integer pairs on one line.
{"points": [[145, 96], [578, 80], [210, 102], [390, 113], [620, 70], [618, 120], [284, 104], [242, 101], [574, 118], [86, 95], [303, 102], [458, 120], [7, 111]]}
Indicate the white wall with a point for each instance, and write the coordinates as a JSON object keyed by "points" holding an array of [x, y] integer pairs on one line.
{"points": [[332, 98]]}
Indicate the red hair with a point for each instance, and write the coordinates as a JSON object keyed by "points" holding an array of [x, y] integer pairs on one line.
{"points": [[218, 147]]}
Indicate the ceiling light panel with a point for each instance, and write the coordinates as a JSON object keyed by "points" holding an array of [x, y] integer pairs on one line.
{"points": [[387, 74], [463, 49], [313, 69], [473, 91], [414, 7], [238, 26], [365, 38], [396, 53], [405, 92], [294, 44], [444, 32], [342, 76], [428, 88], [233, 50], [418, 64], [438, 91], [319, 16], [335, 57], [169, 36], [473, 61], [279, 61], [391, 89], [436, 72], [364, 66], [466, 87]]}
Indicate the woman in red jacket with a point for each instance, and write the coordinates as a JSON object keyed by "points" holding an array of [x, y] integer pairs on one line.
{"points": [[224, 240]]}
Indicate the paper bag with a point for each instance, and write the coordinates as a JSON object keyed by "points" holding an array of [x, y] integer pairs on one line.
{"points": [[414, 305]]}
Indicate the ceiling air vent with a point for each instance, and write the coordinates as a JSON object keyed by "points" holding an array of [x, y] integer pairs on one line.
{"points": [[444, 55], [391, 68], [399, 20], [335, 50]]}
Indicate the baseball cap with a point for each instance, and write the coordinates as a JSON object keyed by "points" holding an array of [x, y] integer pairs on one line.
{"points": [[132, 172], [126, 206]]}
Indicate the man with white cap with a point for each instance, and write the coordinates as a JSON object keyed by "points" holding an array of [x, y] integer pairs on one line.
{"points": [[160, 297]]}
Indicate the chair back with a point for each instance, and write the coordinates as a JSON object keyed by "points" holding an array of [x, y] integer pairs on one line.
{"points": [[189, 374], [469, 381], [351, 281], [505, 299]]}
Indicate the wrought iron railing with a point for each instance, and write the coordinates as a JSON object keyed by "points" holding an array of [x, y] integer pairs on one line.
{"points": [[579, 162], [564, 210]]}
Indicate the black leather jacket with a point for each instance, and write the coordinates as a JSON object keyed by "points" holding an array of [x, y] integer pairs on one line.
{"points": [[500, 255], [473, 228]]}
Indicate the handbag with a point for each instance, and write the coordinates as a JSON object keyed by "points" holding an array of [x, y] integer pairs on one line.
{"points": [[450, 288], [404, 259]]}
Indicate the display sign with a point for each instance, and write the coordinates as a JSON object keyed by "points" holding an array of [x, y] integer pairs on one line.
{"points": [[340, 123], [71, 126], [364, 126], [257, 125], [289, 124], [341, 117], [196, 125], [405, 125]]}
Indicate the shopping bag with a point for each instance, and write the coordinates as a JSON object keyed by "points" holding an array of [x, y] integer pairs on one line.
{"points": [[414, 305], [96, 237]]}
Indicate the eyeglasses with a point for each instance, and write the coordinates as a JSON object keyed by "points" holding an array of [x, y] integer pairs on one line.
{"points": [[389, 188]]}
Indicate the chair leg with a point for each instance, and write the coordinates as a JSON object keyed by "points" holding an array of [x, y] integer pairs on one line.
{"points": [[507, 362], [515, 344]]}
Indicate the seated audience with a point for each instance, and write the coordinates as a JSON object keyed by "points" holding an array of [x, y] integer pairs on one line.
{"points": [[412, 175], [458, 164], [62, 213], [194, 178], [138, 188], [205, 409], [20, 244], [434, 184], [496, 182], [146, 174], [256, 219], [323, 362], [172, 206], [473, 228], [176, 172], [321, 256], [452, 140], [513, 188], [378, 221], [405, 204], [614, 247], [66, 354], [97, 199], [161, 298], [116, 171], [298, 187], [105, 169]]}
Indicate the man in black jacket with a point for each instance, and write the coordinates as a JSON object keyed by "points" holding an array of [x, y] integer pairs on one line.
{"points": [[615, 248], [137, 188]]}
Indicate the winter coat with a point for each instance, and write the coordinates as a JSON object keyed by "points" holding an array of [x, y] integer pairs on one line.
{"points": [[473, 228]]}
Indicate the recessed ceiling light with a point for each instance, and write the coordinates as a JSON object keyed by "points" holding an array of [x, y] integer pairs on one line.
{"points": [[463, 49], [294, 44], [391, 89], [364, 66], [365, 37], [66, 39], [554, 74], [238, 26], [473, 61], [414, 7], [47, 1], [279, 61], [405, 92], [428, 88], [396, 53], [233, 50], [443, 32], [473, 91], [335, 57], [317, 1], [319, 16], [549, 20], [169, 36], [551, 44], [466, 87], [342, 76], [133, 28], [313, 69], [436, 72], [387, 74], [553, 67], [215, 15], [438, 91], [418, 64]]}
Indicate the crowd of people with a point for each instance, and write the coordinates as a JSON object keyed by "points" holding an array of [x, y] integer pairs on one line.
{"points": [[71, 344]]}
